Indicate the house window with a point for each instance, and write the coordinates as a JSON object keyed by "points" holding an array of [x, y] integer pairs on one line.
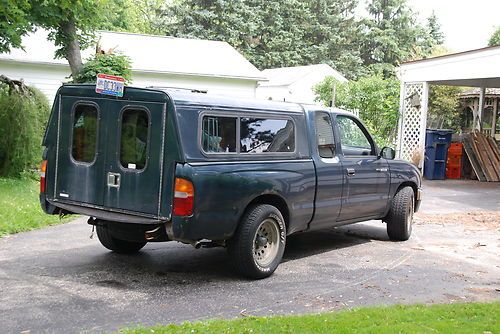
{"points": [[134, 138], [84, 133], [260, 135], [218, 134]]}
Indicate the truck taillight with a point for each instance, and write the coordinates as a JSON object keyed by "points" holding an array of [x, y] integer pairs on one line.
{"points": [[183, 197], [43, 169]]}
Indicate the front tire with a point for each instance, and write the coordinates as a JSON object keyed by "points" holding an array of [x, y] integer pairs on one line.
{"points": [[116, 245], [400, 217], [258, 244]]}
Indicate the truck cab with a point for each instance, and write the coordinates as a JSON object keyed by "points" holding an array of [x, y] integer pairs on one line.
{"points": [[175, 165]]}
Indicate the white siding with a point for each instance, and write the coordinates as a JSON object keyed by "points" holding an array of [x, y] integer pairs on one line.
{"points": [[213, 85], [47, 78], [275, 93]]}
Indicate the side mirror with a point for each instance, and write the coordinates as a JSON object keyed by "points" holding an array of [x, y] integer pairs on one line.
{"points": [[387, 153]]}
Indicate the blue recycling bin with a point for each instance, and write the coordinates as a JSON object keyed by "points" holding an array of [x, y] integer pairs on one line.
{"points": [[437, 142]]}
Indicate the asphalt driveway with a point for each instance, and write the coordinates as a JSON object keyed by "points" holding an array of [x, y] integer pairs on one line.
{"points": [[58, 280]]}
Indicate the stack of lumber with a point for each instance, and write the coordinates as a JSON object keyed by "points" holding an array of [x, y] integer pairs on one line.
{"points": [[484, 156]]}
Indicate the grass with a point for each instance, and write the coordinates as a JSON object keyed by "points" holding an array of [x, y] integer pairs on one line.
{"points": [[20, 207], [450, 318]]}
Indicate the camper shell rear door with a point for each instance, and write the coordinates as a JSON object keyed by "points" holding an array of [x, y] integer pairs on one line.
{"points": [[110, 152]]}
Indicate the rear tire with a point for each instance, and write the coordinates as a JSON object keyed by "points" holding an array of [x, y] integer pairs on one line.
{"points": [[400, 217], [258, 244], [116, 245]]}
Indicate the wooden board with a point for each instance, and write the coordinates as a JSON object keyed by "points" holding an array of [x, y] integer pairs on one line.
{"points": [[484, 151], [473, 160]]}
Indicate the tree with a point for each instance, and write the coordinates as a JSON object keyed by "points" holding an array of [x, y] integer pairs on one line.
{"points": [[14, 23], [443, 109], [376, 99], [71, 24], [434, 29], [391, 36], [273, 33], [495, 38], [136, 16]]}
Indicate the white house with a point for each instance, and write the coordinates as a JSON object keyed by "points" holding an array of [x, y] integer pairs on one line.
{"points": [[295, 84], [156, 61]]}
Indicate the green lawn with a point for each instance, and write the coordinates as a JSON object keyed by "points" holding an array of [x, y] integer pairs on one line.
{"points": [[20, 208], [450, 318]]}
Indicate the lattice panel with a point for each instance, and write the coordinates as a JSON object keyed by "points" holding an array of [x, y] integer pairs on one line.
{"points": [[410, 138]]}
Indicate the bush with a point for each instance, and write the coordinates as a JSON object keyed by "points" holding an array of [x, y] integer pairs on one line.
{"points": [[23, 115], [108, 63], [376, 99]]}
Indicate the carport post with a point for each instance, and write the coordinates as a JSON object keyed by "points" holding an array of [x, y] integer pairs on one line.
{"points": [[423, 121], [480, 111]]}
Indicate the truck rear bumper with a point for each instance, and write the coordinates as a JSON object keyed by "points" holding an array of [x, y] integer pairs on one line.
{"points": [[106, 214]]}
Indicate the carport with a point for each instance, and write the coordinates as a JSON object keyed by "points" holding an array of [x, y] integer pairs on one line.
{"points": [[475, 68]]}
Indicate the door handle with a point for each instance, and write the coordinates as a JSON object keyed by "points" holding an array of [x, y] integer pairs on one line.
{"points": [[381, 169], [113, 180], [351, 171]]}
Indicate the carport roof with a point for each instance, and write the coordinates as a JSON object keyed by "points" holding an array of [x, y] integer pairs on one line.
{"points": [[474, 68]]}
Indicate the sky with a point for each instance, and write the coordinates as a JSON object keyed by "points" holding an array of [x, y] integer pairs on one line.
{"points": [[467, 25]]}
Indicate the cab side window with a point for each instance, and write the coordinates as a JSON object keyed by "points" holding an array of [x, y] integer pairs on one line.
{"points": [[353, 140], [324, 135]]}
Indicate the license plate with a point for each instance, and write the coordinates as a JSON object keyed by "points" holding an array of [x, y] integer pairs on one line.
{"points": [[109, 85]]}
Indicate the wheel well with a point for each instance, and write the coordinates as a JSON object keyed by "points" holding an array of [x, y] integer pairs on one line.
{"points": [[410, 184], [275, 201]]}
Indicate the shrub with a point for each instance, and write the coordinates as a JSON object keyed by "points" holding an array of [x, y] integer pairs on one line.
{"points": [[108, 63], [376, 98], [24, 112]]}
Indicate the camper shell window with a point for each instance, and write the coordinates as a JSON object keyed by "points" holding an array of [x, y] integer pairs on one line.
{"points": [[134, 138], [247, 135], [84, 136], [260, 135]]}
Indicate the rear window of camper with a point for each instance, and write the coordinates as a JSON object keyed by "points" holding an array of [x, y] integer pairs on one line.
{"points": [[84, 133]]}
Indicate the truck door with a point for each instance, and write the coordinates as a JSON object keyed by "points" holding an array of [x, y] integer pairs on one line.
{"points": [[328, 172], [80, 157], [135, 147], [367, 177]]}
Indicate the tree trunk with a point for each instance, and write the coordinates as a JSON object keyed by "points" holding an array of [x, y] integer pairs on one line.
{"points": [[72, 47]]}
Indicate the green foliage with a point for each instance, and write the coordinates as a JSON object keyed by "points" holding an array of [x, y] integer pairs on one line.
{"points": [[495, 38], [443, 109], [22, 121], [56, 15], [20, 207], [136, 16], [393, 36], [14, 23], [275, 33], [113, 64], [376, 99], [409, 319]]}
